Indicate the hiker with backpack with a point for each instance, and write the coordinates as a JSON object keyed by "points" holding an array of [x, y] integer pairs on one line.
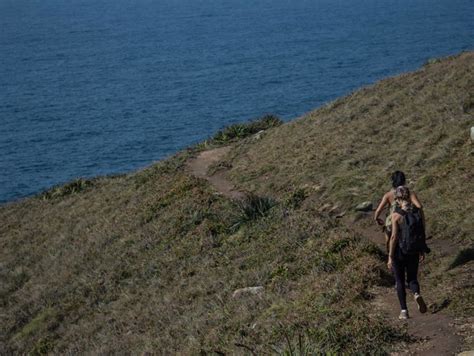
{"points": [[388, 200], [407, 248]]}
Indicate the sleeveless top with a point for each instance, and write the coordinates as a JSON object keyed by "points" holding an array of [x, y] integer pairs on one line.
{"points": [[388, 219]]}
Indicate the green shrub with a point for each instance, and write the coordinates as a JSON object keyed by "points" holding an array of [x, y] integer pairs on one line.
{"points": [[464, 256], [252, 207], [339, 245], [73, 187], [296, 198], [299, 345], [242, 130]]}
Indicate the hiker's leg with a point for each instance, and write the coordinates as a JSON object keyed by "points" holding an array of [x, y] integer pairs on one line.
{"points": [[412, 273], [399, 272]]}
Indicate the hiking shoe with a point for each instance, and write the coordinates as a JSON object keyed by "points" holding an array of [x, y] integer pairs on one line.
{"points": [[421, 303], [403, 315]]}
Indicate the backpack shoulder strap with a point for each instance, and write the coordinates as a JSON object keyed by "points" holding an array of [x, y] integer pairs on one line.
{"points": [[400, 210]]}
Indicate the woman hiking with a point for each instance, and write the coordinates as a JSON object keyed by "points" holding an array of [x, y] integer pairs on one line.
{"points": [[388, 200], [407, 248]]}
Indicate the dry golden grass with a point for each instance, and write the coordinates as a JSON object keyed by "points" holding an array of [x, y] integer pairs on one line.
{"points": [[418, 123], [148, 262]]}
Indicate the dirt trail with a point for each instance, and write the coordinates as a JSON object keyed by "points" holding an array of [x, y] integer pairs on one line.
{"points": [[434, 333], [199, 167]]}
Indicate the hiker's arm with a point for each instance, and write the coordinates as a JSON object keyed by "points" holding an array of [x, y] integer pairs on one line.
{"points": [[379, 209], [393, 241], [415, 201]]}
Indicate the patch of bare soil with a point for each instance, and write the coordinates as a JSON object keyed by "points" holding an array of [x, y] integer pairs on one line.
{"points": [[199, 167]]}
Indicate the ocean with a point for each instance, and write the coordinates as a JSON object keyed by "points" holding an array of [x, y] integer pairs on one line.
{"points": [[98, 87]]}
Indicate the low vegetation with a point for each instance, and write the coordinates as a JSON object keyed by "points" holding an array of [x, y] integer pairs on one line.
{"points": [[236, 132], [149, 261], [73, 187], [242, 130], [464, 256], [252, 207]]}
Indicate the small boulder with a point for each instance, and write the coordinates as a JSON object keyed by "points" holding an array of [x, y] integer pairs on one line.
{"points": [[258, 135], [472, 133], [365, 206], [247, 291]]}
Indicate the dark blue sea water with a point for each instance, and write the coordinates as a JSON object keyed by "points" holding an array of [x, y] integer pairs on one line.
{"points": [[93, 87]]}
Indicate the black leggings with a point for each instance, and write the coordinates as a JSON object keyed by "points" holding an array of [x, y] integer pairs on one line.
{"points": [[406, 264]]}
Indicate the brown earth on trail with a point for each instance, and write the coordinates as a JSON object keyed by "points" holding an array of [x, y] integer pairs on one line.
{"points": [[434, 333], [199, 167]]}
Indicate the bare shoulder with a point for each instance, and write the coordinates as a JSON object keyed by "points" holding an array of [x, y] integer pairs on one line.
{"points": [[389, 196]]}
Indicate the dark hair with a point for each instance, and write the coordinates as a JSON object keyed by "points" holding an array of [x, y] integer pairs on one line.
{"points": [[398, 179]]}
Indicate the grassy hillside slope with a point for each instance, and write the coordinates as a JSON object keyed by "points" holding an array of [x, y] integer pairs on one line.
{"points": [[417, 122], [148, 262]]}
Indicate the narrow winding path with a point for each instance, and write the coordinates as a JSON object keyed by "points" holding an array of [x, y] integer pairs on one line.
{"points": [[435, 333], [199, 167]]}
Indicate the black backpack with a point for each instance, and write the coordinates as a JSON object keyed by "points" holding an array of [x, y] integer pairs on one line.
{"points": [[411, 238]]}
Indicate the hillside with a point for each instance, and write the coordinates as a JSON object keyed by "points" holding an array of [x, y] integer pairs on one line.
{"points": [[149, 262]]}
